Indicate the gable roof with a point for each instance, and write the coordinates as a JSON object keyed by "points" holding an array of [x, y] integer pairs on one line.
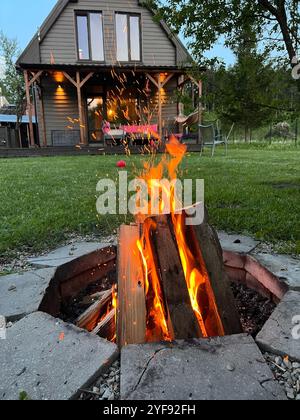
{"points": [[31, 54]]}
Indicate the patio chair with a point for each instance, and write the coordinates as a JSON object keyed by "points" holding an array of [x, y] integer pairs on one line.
{"points": [[212, 137]]}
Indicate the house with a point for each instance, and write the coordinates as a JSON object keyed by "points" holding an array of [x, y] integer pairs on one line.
{"points": [[95, 64]]}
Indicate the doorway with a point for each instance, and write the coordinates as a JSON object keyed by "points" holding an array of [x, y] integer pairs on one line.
{"points": [[95, 117]]}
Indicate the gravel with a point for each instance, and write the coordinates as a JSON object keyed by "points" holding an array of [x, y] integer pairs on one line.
{"points": [[106, 388], [287, 373]]}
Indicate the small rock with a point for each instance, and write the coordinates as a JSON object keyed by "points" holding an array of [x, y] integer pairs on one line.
{"points": [[287, 364], [107, 394], [296, 365], [112, 397], [278, 360], [230, 367], [111, 381], [96, 390], [290, 393]]}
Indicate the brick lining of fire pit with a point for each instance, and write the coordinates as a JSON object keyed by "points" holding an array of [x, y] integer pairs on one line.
{"points": [[78, 285]]}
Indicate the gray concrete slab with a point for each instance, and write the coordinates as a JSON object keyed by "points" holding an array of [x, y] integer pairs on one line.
{"points": [[66, 254], [279, 334], [284, 267], [227, 368], [50, 360], [22, 294], [237, 243]]}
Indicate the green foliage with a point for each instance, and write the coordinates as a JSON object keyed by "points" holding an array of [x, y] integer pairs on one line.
{"points": [[13, 81], [204, 22]]}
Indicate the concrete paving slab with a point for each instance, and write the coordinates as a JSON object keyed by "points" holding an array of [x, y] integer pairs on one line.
{"points": [[22, 294], [237, 243], [284, 267], [66, 254], [227, 368], [281, 333], [50, 360]]}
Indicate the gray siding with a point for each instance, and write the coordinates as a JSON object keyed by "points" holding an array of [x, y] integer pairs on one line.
{"points": [[59, 104], [60, 42]]}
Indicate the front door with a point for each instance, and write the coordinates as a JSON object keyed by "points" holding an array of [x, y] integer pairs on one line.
{"points": [[95, 114]]}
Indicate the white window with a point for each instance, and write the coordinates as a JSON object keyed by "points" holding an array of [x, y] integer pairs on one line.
{"points": [[90, 41], [128, 37]]}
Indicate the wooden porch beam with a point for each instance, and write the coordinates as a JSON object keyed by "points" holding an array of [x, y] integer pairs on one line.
{"points": [[35, 77], [167, 79], [67, 76], [43, 118], [199, 85], [42, 107], [152, 79], [160, 84], [86, 79], [83, 137], [29, 107], [78, 83]]}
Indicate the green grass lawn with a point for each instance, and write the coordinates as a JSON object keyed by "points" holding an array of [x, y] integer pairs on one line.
{"points": [[251, 191]]}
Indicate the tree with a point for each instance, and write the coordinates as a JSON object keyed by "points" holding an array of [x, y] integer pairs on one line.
{"points": [[276, 22], [246, 97], [12, 81]]}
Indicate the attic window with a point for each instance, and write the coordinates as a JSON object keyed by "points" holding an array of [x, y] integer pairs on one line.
{"points": [[128, 33], [90, 36]]}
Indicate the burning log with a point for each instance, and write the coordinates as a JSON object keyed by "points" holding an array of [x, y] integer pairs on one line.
{"points": [[205, 245], [131, 319], [176, 288], [182, 317], [107, 327], [89, 318]]}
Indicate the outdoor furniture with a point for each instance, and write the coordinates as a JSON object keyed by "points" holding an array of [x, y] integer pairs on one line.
{"points": [[211, 136], [140, 134], [114, 137]]}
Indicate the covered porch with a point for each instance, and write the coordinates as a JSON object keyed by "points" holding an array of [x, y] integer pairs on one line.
{"points": [[105, 106]]}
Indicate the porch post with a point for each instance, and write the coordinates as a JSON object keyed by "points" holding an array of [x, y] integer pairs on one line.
{"points": [[159, 108], [79, 84], [200, 87], [83, 137], [42, 108], [29, 107], [160, 85], [43, 118]]}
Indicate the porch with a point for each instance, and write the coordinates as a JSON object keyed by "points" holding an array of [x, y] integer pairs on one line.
{"points": [[105, 108]]}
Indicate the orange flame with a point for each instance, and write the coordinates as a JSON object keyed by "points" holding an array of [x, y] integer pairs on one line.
{"points": [[169, 165], [157, 326]]}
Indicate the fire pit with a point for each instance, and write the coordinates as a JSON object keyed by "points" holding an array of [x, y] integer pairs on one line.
{"points": [[166, 280], [115, 294]]}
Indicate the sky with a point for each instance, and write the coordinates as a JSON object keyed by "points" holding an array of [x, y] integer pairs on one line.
{"points": [[20, 20]]}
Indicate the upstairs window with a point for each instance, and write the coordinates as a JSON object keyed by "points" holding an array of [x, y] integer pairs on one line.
{"points": [[90, 43], [128, 37]]}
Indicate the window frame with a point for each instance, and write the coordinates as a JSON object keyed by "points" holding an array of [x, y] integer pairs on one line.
{"points": [[87, 13], [129, 15]]}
